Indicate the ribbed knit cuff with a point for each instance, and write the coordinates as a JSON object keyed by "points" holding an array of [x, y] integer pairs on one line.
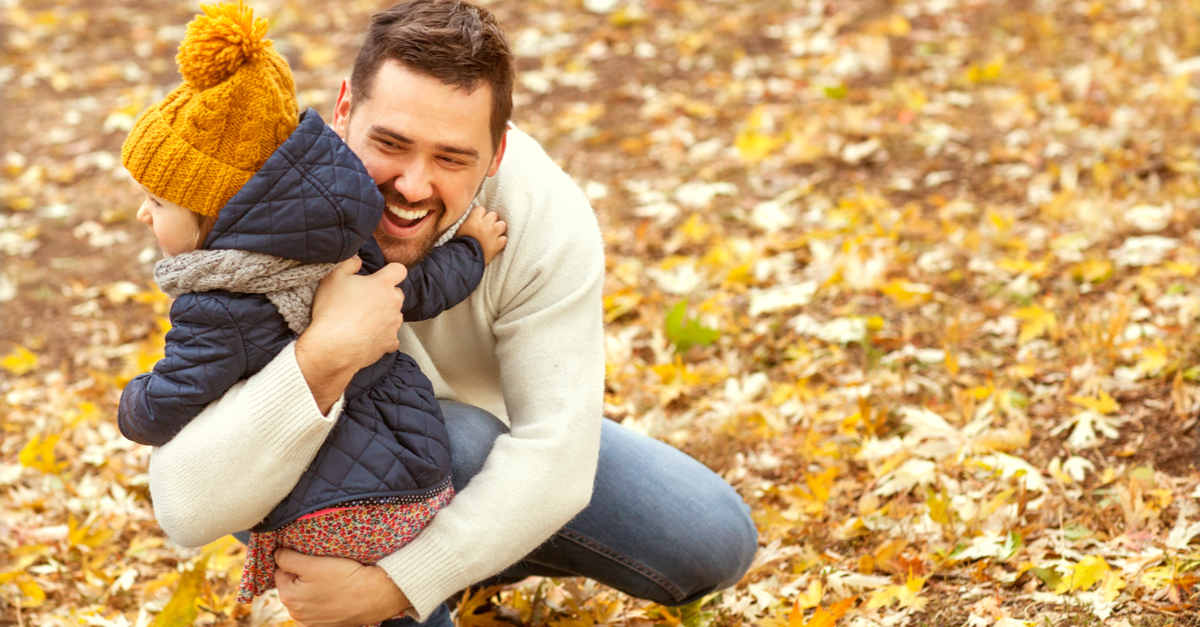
{"points": [[280, 400], [168, 166], [426, 573]]}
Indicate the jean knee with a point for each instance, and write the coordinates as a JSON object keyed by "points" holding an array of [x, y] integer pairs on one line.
{"points": [[729, 548], [472, 432], [744, 537]]}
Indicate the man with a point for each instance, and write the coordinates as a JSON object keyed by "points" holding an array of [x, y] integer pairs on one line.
{"points": [[544, 485]]}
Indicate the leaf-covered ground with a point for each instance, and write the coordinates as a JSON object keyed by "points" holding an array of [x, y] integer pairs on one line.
{"points": [[918, 278]]}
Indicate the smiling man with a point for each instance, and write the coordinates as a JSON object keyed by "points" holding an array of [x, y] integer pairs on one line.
{"points": [[544, 485]]}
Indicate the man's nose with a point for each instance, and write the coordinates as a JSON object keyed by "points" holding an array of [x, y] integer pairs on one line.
{"points": [[414, 182]]}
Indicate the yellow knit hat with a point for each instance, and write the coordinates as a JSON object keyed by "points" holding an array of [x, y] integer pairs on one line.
{"points": [[237, 104]]}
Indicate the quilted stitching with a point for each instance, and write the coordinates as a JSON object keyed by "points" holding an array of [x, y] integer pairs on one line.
{"points": [[446, 276], [313, 201]]}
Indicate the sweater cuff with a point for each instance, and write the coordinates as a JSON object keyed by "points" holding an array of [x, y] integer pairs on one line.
{"points": [[426, 574], [286, 410]]}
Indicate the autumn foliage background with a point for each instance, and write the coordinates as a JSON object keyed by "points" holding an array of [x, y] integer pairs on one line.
{"points": [[918, 278]]}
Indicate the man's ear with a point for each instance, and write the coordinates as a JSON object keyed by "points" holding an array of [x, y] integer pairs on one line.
{"points": [[341, 110], [499, 156]]}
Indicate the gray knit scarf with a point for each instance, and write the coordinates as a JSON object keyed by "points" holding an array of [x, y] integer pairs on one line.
{"points": [[288, 284]]}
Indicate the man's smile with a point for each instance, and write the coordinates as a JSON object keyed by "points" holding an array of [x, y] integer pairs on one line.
{"points": [[400, 221]]}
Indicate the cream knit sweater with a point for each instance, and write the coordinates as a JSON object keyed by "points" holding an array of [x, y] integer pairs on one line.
{"points": [[528, 346]]}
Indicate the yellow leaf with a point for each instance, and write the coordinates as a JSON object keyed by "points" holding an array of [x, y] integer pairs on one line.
{"points": [[86, 412], [754, 142], [1113, 584], [695, 230], [1035, 269], [939, 507], [1102, 404], [907, 594], [20, 361], [677, 379], [1093, 270], [1153, 359], [1182, 268], [820, 484], [1035, 322], [985, 73], [620, 303], [225, 555], [39, 455], [85, 537], [1157, 577], [181, 610], [811, 597], [951, 363], [31, 591], [754, 146], [472, 601], [1082, 576], [907, 294]]}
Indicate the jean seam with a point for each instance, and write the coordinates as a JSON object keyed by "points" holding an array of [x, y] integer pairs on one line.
{"points": [[641, 569]]}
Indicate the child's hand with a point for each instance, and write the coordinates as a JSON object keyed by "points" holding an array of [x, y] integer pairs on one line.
{"points": [[488, 229]]}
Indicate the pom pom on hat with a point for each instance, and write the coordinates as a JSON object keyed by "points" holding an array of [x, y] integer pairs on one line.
{"points": [[219, 42]]}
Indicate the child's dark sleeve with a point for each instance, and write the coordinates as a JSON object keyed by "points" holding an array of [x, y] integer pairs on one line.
{"points": [[443, 279], [204, 357], [372, 257]]}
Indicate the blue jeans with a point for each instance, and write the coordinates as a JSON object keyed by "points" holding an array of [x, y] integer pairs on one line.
{"points": [[660, 526]]}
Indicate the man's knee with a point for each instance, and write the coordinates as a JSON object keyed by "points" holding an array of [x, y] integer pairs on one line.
{"points": [[472, 432], [741, 539], [727, 550]]}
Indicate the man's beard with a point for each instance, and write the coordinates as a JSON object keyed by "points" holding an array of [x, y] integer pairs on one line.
{"points": [[409, 252]]}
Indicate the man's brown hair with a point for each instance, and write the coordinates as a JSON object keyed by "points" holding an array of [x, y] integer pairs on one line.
{"points": [[457, 43]]}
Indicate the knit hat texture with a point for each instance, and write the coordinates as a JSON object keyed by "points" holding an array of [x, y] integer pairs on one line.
{"points": [[237, 104]]}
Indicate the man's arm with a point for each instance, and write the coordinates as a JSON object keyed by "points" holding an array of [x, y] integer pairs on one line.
{"points": [[230, 465]]}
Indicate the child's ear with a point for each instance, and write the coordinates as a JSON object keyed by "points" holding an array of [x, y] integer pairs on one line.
{"points": [[204, 226]]}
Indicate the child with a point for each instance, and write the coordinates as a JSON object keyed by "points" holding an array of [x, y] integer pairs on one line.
{"points": [[252, 207]]}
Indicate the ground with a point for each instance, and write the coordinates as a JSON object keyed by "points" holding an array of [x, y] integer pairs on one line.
{"points": [[918, 278]]}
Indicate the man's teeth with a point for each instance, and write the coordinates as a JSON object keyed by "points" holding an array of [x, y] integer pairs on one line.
{"points": [[405, 214]]}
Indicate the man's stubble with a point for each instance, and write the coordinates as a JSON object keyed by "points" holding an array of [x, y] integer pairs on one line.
{"points": [[410, 252]]}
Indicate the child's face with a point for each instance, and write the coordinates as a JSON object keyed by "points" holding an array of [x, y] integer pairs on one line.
{"points": [[177, 229]]}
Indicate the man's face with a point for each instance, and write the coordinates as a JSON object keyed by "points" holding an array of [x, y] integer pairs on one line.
{"points": [[427, 145]]}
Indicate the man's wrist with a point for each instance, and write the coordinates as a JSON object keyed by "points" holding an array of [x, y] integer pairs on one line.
{"points": [[326, 377], [395, 601]]}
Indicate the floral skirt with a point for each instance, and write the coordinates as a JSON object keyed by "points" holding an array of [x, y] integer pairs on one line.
{"points": [[363, 533]]}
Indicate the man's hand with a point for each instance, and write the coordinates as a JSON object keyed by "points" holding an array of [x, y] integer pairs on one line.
{"points": [[335, 592], [488, 229], [354, 323]]}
